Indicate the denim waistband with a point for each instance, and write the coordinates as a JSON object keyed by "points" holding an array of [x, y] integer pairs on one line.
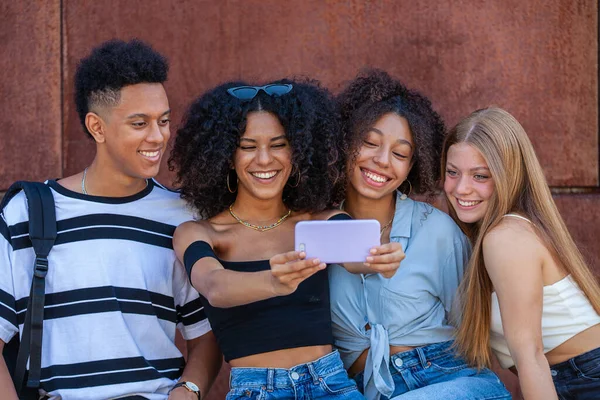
{"points": [[566, 369], [274, 378], [422, 355]]}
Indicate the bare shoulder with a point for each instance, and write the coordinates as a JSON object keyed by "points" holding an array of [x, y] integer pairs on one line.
{"points": [[192, 231], [512, 241]]}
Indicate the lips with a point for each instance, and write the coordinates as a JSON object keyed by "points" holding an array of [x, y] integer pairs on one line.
{"points": [[468, 203], [264, 175], [152, 155], [374, 178]]}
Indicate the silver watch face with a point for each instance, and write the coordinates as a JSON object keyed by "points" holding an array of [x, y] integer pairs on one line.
{"points": [[192, 386]]}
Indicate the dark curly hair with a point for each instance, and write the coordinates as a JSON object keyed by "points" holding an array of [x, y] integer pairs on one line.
{"points": [[210, 133], [111, 66], [374, 93]]}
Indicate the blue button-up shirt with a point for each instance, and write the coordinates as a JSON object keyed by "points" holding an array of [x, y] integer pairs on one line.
{"points": [[410, 309]]}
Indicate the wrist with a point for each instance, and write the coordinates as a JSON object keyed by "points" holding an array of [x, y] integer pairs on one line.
{"points": [[189, 387]]}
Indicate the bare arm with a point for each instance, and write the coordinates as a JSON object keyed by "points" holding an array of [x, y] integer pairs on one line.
{"points": [[513, 258], [203, 363], [224, 288], [8, 389]]}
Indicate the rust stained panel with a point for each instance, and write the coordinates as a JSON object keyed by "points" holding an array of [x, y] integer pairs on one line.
{"points": [[538, 59], [30, 98], [582, 216]]}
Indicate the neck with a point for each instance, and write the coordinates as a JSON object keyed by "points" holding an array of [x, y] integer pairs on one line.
{"points": [[256, 210], [105, 182], [360, 207]]}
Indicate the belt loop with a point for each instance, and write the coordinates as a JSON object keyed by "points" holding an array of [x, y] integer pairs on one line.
{"points": [[313, 372], [270, 379], [422, 358]]}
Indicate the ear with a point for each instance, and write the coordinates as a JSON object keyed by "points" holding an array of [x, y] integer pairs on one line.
{"points": [[96, 126]]}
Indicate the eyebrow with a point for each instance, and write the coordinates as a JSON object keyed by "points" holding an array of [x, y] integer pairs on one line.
{"points": [[472, 169], [401, 141], [142, 115], [272, 139]]}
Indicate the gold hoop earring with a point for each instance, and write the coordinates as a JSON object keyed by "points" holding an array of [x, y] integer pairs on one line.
{"points": [[228, 186], [297, 180], [404, 196]]}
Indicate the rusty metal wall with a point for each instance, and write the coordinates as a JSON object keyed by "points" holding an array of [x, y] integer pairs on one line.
{"points": [[538, 59]]}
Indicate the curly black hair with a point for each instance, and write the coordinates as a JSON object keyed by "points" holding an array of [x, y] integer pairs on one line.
{"points": [[114, 64], [210, 133], [374, 93]]}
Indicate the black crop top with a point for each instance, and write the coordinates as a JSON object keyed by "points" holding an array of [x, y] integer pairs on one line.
{"points": [[284, 322]]}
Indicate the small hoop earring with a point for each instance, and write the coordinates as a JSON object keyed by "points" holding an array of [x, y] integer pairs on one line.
{"points": [[297, 180], [404, 196], [229, 186]]}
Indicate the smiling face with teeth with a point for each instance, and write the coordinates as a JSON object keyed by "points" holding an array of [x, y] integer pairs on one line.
{"points": [[384, 159], [132, 136], [468, 183], [263, 160]]}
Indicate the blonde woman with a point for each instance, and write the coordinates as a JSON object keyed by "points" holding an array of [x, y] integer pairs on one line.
{"points": [[528, 294]]}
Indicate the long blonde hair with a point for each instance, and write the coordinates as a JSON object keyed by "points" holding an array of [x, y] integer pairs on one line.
{"points": [[520, 187]]}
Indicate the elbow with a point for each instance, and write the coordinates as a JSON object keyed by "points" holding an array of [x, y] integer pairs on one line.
{"points": [[215, 298], [529, 356]]}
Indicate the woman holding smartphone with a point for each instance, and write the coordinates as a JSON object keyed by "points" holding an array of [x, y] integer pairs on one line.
{"points": [[395, 335], [528, 296], [254, 161]]}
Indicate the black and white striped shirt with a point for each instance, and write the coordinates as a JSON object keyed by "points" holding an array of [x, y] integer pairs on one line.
{"points": [[115, 293]]}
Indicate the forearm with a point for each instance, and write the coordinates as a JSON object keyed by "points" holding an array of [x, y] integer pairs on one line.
{"points": [[535, 379], [204, 361], [224, 288], [8, 389]]}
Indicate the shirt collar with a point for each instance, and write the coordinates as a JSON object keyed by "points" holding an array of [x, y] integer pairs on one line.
{"points": [[402, 217]]}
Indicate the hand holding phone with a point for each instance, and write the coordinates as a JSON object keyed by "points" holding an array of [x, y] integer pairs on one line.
{"points": [[290, 269], [337, 241]]}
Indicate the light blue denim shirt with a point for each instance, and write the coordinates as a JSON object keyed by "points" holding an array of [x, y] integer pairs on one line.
{"points": [[411, 308]]}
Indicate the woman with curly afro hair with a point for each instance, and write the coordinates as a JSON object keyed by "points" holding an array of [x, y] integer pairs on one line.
{"points": [[395, 334], [254, 161]]}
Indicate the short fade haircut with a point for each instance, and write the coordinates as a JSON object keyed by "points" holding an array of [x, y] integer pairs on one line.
{"points": [[110, 67]]}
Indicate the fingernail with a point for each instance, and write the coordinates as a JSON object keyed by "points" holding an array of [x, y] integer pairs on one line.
{"points": [[323, 265], [316, 261], [373, 251], [369, 259], [367, 264]]}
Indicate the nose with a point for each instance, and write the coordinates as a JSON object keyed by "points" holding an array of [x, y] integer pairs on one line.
{"points": [[382, 157], [263, 157], [157, 134], [463, 186]]}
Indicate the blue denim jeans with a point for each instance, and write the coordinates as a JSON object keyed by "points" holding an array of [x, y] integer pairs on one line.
{"points": [[436, 372], [579, 377], [324, 378]]}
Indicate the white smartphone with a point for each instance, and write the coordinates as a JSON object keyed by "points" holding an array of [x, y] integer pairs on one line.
{"points": [[337, 241]]}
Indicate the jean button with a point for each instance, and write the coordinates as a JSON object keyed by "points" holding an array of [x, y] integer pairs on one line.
{"points": [[553, 372], [295, 376], [398, 362]]}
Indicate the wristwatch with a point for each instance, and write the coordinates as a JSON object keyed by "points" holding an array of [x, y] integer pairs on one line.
{"points": [[190, 386]]}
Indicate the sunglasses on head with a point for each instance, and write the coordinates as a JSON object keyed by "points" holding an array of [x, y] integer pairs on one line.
{"points": [[246, 93]]}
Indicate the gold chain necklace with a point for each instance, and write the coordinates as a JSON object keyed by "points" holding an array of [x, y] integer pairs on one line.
{"points": [[382, 229], [260, 228]]}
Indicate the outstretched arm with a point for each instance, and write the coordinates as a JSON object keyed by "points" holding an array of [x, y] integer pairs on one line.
{"points": [[224, 288]]}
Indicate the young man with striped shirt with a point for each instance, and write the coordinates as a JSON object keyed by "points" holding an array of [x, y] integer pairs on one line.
{"points": [[115, 292]]}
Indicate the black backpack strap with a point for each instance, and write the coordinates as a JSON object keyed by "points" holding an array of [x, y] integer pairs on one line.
{"points": [[42, 233]]}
